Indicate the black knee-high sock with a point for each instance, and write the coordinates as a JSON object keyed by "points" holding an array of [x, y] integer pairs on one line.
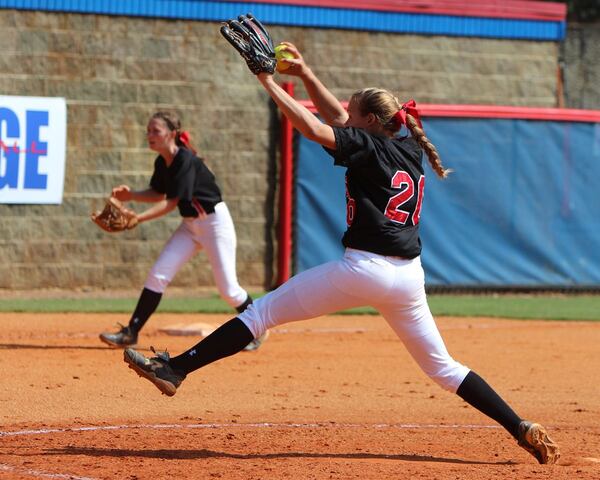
{"points": [[145, 307], [244, 306], [475, 391], [228, 339]]}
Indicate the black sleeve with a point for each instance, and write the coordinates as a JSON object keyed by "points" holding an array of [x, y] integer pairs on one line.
{"points": [[182, 182], [158, 181], [354, 147]]}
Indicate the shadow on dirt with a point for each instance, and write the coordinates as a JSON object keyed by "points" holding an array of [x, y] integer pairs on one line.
{"points": [[204, 453]]}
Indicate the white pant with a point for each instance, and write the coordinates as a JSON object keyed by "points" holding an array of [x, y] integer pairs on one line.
{"points": [[394, 286], [215, 234]]}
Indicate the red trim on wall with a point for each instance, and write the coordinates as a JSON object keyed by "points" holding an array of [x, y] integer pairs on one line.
{"points": [[499, 111], [520, 9], [526, 113]]}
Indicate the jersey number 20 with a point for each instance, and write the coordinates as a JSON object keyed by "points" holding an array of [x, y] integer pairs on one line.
{"points": [[406, 184]]}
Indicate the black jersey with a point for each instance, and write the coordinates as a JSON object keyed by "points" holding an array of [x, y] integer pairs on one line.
{"points": [[384, 191], [188, 179]]}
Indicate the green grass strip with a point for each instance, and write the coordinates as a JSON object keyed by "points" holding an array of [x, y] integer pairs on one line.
{"points": [[544, 307], [113, 305]]}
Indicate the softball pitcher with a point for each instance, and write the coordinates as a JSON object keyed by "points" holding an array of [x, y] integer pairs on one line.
{"points": [[181, 179], [381, 266]]}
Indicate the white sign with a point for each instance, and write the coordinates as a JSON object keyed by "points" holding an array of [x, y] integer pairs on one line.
{"points": [[33, 136]]}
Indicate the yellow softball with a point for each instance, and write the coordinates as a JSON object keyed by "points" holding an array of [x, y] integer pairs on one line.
{"points": [[281, 53]]}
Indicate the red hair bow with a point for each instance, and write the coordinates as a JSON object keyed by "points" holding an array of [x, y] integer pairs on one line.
{"points": [[409, 107], [185, 138]]}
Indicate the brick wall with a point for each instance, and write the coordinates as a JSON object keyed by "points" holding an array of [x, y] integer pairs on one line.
{"points": [[116, 71]]}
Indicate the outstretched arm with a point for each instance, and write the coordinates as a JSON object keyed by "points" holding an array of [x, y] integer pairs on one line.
{"points": [[125, 194], [328, 106], [159, 209], [302, 120], [147, 196]]}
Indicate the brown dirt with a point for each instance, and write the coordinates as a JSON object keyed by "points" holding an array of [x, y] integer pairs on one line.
{"points": [[336, 397]]}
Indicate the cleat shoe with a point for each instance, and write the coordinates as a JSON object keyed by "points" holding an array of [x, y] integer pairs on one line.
{"points": [[155, 369], [123, 338], [257, 342], [533, 438]]}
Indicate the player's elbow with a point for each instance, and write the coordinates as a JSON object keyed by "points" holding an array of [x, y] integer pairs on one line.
{"points": [[171, 204], [321, 134], [338, 120]]}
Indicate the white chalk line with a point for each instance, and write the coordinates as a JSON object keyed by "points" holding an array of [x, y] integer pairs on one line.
{"points": [[37, 473], [167, 426], [181, 426], [321, 330]]}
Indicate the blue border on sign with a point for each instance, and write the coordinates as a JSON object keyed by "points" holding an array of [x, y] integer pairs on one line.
{"points": [[306, 16]]}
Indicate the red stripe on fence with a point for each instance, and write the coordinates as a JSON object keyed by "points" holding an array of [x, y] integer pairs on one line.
{"points": [[518, 9], [499, 111]]}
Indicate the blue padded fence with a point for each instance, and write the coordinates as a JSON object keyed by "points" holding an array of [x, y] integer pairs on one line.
{"points": [[522, 208]]}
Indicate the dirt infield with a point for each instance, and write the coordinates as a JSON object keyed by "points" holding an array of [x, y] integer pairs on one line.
{"points": [[332, 398]]}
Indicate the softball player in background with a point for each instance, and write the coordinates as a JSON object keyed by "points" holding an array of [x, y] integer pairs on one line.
{"points": [[181, 179], [381, 266]]}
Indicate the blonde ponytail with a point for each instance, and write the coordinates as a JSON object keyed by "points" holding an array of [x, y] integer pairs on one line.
{"points": [[392, 115]]}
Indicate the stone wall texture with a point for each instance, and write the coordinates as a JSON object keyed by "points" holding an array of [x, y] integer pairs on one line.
{"points": [[581, 58], [116, 71]]}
